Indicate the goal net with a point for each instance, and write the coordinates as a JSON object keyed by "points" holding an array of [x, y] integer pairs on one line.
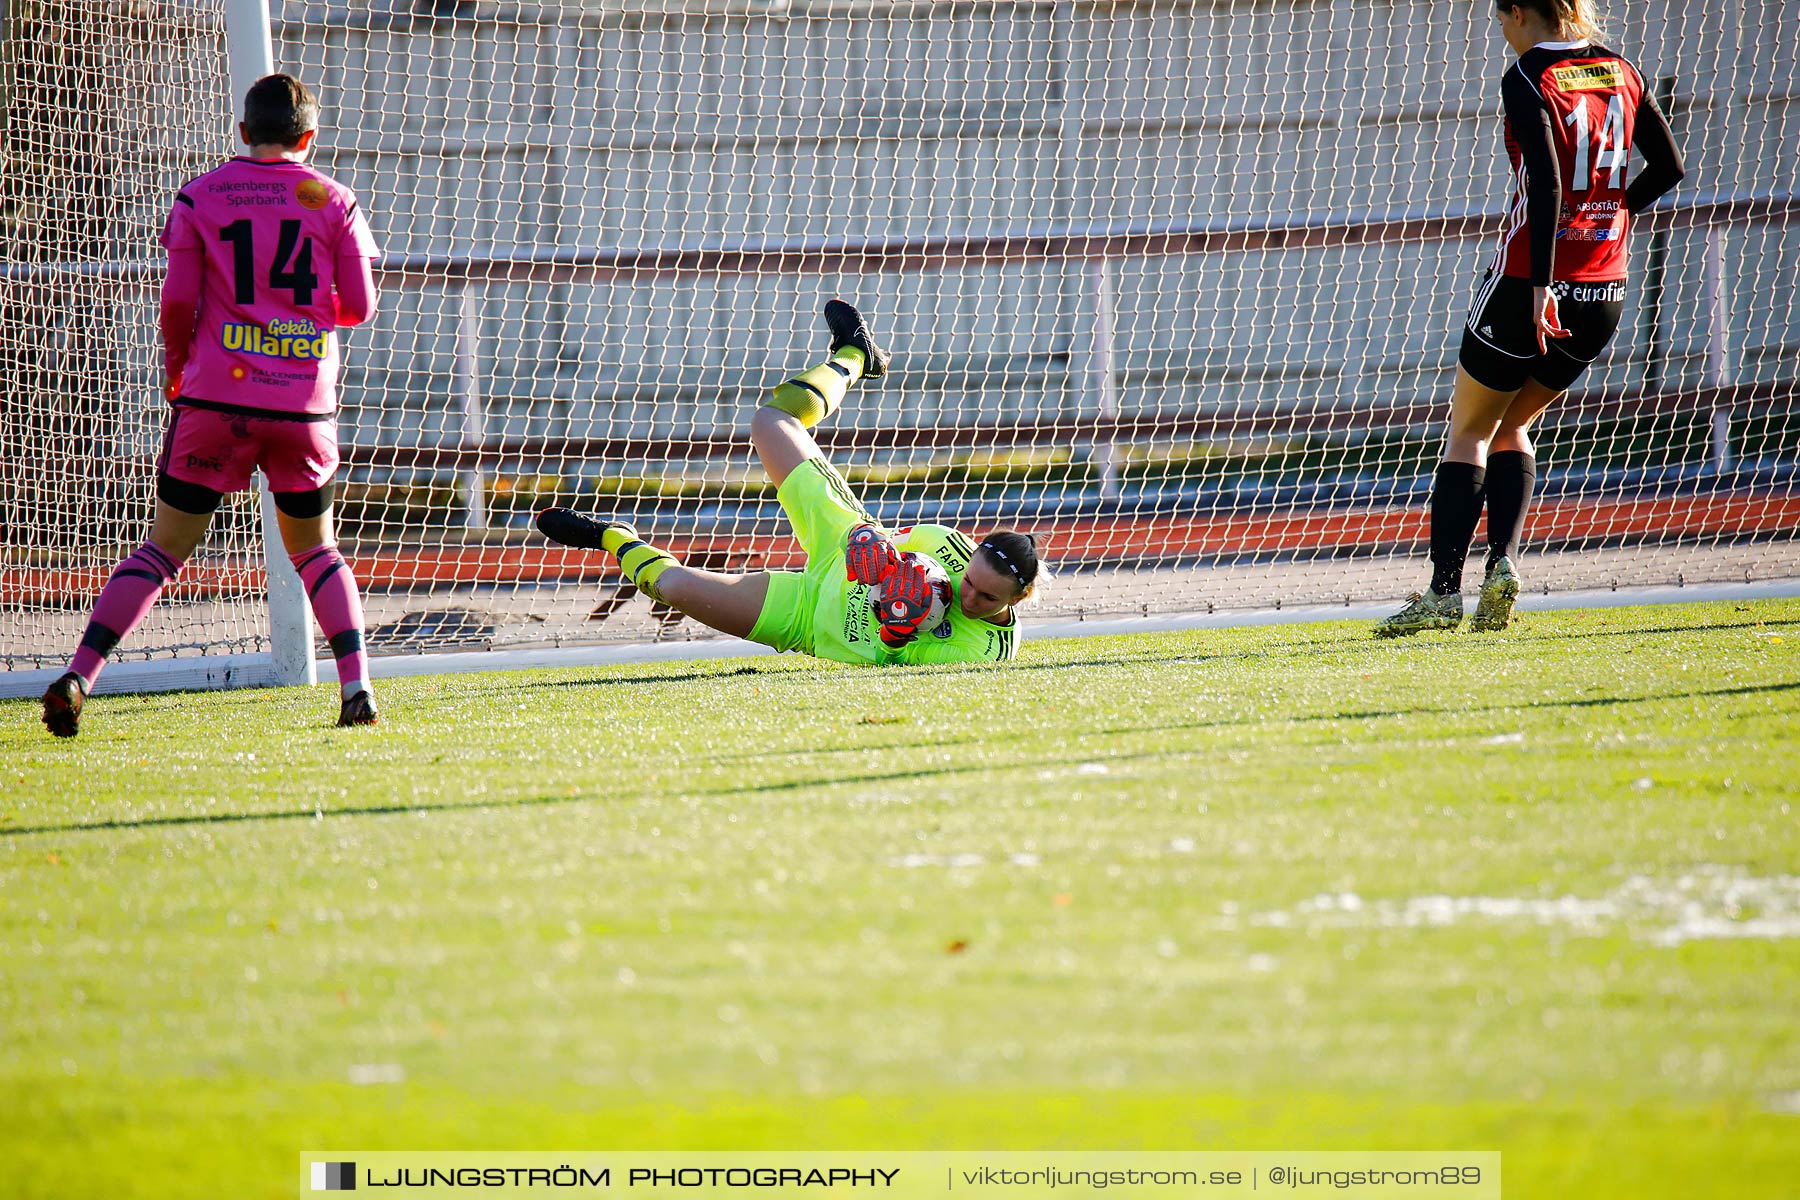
{"points": [[1176, 287], [105, 110]]}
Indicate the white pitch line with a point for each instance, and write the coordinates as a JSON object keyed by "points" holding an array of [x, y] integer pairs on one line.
{"points": [[1609, 598], [253, 670]]}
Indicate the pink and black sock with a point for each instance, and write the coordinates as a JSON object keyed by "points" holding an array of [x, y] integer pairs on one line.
{"points": [[335, 602], [129, 593]]}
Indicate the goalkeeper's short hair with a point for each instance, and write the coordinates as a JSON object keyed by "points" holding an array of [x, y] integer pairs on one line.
{"points": [[278, 110]]}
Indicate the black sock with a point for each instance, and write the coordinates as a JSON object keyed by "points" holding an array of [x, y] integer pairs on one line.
{"points": [[1511, 476], [1455, 508]]}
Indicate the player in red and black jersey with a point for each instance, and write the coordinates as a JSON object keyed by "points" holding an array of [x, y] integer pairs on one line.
{"points": [[1552, 298]]}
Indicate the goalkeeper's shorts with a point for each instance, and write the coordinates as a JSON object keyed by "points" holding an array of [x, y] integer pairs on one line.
{"points": [[822, 510], [218, 446], [786, 620]]}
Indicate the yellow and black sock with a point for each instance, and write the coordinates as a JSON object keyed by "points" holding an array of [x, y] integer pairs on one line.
{"points": [[815, 393], [641, 562]]}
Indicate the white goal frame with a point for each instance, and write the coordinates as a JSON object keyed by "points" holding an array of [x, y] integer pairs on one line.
{"points": [[1712, 219]]}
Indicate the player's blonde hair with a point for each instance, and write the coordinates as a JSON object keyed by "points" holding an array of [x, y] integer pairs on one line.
{"points": [[1579, 20], [1575, 20]]}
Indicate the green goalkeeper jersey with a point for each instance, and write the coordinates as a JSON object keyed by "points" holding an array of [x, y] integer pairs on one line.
{"points": [[846, 629], [818, 611]]}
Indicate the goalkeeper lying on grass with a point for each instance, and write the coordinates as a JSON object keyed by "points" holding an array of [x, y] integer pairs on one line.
{"points": [[919, 595]]}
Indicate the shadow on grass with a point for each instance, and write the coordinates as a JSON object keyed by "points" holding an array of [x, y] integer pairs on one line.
{"points": [[831, 670], [1443, 710], [870, 778], [664, 677], [379, 810], [1638, 631]]}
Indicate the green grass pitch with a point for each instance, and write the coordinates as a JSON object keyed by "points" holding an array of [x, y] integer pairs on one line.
{"points": [[1261, 888]]}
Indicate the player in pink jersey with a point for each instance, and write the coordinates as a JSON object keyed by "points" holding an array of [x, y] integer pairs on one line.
{"points": [[1553, 297], [266, 258]]}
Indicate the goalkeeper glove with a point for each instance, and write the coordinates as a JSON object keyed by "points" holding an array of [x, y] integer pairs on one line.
{"points": [[870, 557], [904, 603]]}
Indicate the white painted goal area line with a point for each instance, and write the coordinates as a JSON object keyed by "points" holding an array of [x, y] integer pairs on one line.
{"points": [[253, 670]]}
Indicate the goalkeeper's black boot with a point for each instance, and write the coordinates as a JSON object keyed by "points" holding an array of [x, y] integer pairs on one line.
{"points": [[849, 329], [62, 705], [566, 527], [639, 561], [358, 710]]}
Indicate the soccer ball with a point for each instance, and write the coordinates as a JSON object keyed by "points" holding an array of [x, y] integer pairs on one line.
{"points": [[940, 588]]}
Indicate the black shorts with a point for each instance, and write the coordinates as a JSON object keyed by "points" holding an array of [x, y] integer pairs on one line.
{"points": [[1499, 344]]}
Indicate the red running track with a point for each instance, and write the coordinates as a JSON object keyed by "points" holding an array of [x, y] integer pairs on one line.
{"points": [[1095, 540]]}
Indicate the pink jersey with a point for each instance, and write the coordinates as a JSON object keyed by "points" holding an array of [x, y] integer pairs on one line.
{"points": [[272, 234]]}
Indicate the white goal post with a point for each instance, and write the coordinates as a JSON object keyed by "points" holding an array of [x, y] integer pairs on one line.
{"points": [[250, 55], [1175, 285]]}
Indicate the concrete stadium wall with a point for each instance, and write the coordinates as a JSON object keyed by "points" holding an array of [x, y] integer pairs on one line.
{"points": [[492, 129]]}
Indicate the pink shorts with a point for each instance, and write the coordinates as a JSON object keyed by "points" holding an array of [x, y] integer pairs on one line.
{"points": [[218, 450]]}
